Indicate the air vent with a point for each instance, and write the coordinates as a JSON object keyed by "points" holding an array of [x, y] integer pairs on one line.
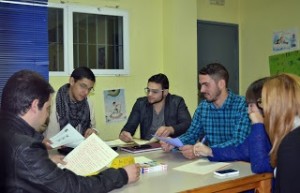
{"points": [[217, 2]]}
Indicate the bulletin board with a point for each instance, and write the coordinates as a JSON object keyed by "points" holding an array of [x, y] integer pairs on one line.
{"points": [[288, 62]]}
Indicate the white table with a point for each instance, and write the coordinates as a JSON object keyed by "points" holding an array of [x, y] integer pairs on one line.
{"points": [[176, 181]]}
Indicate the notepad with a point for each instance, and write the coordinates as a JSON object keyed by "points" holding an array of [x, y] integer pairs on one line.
{"points": [[201, 166]]}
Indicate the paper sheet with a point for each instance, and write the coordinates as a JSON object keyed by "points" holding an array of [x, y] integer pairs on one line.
{"points": [[172, 141], [68, 136], [142, 159], [90, 156], [116, 142], [201, 166], [119, 142], [143, 142]]}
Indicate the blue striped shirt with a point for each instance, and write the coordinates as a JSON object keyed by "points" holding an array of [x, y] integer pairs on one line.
{"points": [[225, 126]]}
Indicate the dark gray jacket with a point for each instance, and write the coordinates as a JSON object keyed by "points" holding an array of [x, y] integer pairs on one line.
{"points": [[31, 171], [176, 114]]}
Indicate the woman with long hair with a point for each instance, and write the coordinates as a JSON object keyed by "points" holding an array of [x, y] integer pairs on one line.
{"points": [[281, 107]]}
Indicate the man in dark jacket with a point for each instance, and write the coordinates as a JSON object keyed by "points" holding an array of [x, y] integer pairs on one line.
{"points": [[25, 106], [159, 113]]}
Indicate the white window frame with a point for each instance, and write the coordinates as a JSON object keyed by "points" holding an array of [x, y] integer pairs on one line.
{"points": [[68, 10]]}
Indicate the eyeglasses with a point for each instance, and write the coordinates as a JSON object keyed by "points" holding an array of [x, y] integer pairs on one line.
{"points": [[259, 103], [154, 91], [85, 87]]}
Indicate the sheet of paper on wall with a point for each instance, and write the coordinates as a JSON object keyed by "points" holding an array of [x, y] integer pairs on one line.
{"points": [[201, 166], [68, 136], [89, 157]]}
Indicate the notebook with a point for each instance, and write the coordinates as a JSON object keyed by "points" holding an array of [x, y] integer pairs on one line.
{"points": [[142, 148]]}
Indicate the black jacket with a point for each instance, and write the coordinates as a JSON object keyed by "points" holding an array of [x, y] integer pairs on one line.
{"points": [[287, 174], [29, 169], [176, 114]]}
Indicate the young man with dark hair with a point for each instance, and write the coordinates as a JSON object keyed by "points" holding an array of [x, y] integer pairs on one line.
{"points": [[72, 106], [221, 117], [159, 113], [25, 106]]}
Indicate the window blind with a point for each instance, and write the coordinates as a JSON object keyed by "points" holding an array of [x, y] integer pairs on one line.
{"points": [[23, 38]]}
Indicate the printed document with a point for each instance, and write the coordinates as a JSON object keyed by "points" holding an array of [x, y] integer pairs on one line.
{"points": [[68, 136], [90, 156]]}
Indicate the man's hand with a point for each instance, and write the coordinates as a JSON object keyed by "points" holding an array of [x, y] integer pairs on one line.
{"points": [[133, 172], [202, 150], [164, 131], [188, 151], [57, 159], [165, 146], [47, 143], [89, 132], [125, 136]]}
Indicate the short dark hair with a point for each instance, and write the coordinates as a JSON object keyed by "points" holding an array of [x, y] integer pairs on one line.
{"points": [[83, 72], [160, 79], [21, 89], [216, 71], [253, 92]]}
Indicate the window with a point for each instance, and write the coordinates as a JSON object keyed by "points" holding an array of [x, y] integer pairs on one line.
{"points": [[88, 36]]}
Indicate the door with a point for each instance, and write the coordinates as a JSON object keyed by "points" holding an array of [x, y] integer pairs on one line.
{"points": [[218, 42]]}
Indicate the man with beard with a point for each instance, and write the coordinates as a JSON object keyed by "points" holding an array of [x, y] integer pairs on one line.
{"points": [[159, 113], [221, 117], [25, 106]]}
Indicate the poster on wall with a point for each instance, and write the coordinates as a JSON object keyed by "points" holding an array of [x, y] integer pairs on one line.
{"points": [[285, 41], [288, 62], [114, 101]]}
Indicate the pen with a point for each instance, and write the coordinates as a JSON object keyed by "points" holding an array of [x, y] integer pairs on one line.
{"points": [[203, 140]]}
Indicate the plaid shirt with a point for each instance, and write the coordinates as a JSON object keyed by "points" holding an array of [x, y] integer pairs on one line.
{"points": [[225, 126]]}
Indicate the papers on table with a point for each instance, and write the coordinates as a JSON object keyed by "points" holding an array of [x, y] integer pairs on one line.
{"points": [[68, 136], [116, 143], [143, 142], [142, 159], [201, 166], [89, 157], [172, 141], [120, 143]]}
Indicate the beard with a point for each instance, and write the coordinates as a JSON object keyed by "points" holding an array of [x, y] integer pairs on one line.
{"points": [[214, 97], [158, 101], [43, 127]]}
